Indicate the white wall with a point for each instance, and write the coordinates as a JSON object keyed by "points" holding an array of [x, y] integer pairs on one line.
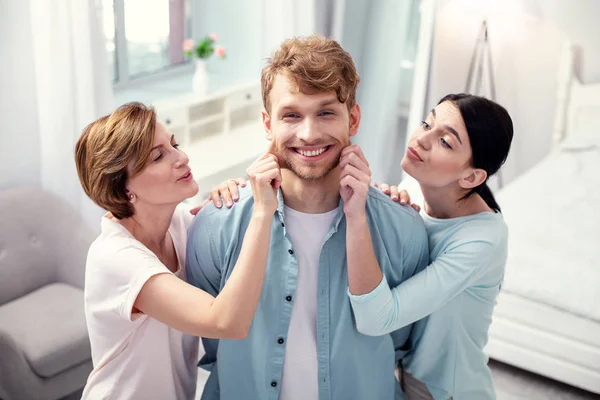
{"points": [[250, 30], [526, 40], [238, 24], [19, 142]]}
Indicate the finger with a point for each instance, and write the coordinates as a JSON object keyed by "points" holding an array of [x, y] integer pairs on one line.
{"points": [[385, 188], [233, 188], [416, 207], [260, 166], [271, 165], [267, 160], [354, 159], [215, 197], [356, 173], [394, 193], [271, 177], [195, 210], [241, 181], [404, 197], [356, 185], [375, 185], [358, 151], [345, 151], [226, 194], [354, 149]]}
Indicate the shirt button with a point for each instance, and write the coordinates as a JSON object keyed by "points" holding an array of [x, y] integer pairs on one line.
{"points": [[280, 340], [274, 384], [288, 298], [291, 251]]}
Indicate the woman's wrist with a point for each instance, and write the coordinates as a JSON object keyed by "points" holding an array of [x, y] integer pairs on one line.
{"points": [[261, 215]]}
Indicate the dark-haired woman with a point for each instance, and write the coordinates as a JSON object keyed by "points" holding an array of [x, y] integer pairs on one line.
{"points": [[463, 141]]}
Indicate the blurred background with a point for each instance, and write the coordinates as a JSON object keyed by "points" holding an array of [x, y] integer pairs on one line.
{"points": [[65, 63]]}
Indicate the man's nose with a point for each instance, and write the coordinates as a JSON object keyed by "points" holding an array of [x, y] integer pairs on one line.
{"points": [[308, 131]]}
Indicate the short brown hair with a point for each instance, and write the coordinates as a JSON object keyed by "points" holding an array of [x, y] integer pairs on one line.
{"points": [[315, 63], [107, 147]]}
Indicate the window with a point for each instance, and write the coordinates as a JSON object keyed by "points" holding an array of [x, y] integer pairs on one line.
{"points": [[144, 36]]}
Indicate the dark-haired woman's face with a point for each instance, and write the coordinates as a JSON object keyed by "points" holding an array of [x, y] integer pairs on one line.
{"points": [[439, 151]]}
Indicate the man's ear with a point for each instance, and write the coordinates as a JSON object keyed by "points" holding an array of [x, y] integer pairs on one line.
{"points": [[266, 120], [473, 178], [354, 119]]}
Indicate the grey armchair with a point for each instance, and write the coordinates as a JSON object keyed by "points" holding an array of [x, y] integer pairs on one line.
{"points": [[44, 346]]}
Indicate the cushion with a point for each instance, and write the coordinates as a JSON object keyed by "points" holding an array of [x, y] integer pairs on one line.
{"points": [[48, 325]]}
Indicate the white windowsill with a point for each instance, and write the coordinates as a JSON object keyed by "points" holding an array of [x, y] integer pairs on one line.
{"points": [[159, 86]]}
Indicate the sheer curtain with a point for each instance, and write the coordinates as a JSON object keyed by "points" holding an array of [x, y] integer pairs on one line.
{"points": [[383, 39], [72, 89]]}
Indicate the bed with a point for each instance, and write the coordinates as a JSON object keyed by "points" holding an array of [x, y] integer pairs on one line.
{"points": [[547, 318]]}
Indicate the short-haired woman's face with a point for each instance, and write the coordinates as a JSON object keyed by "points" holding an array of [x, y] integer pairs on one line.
{"points": [[439, 151], [168, 178]]}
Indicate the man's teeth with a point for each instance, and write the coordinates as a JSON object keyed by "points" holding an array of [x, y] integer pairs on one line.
{"points": [[313, 153]]}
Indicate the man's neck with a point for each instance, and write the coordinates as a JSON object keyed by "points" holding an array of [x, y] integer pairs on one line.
{"points": [[311, 196]]}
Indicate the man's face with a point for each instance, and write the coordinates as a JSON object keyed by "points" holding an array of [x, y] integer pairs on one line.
{"points": [[308, 130]]}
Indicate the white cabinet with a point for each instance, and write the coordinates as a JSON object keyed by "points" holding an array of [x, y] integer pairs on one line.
{"points": [[221, 133]]}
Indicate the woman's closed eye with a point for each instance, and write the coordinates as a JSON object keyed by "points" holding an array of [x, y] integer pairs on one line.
{"points": [[445, 143]]}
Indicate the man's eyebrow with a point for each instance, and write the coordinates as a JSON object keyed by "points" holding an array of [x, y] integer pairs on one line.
{"points": [[328, 102]]}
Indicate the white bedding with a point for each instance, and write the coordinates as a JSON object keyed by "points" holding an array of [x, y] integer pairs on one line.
{"points": [[553, 216]]}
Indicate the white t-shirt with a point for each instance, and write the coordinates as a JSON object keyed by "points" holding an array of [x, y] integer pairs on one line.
{"points": [[134, 356], [300, 366]]}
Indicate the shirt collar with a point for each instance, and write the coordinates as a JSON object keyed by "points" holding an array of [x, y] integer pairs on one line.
{"points": [[336, 222]]}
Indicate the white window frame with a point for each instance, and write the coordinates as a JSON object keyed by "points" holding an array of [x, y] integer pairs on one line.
{"points": [[125, 81]]}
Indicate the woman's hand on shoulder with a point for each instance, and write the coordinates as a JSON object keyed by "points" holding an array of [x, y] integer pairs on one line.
{"points": [[226, 192], [401, 197]]}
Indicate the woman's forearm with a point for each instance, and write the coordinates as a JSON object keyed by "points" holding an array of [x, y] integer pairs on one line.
{"points": [[235, 306], [364, 273]]}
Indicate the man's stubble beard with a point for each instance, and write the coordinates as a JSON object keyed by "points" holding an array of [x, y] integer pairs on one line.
{"points": [[306, 172]]}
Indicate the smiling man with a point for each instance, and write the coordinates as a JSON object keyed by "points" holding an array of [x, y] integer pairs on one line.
{"points": [[303, 343]]}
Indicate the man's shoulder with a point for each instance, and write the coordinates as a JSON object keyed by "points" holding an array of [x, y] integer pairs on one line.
{"points": [[395, 223], [383, 208], [217, 216]]}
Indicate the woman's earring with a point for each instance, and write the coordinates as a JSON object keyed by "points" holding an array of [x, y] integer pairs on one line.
{"points": [[131, 198]]}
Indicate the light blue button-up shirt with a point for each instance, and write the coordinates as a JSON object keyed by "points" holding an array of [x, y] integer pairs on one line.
{"points": [[351, 365]]}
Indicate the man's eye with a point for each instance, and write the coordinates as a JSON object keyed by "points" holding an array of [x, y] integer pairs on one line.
{"points": [[176, 145], [291, 115], [326, 113]]}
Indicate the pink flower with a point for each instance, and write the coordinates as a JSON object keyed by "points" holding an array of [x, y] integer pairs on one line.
{"points": [[188, 45], [220, 51], [213, 36]]}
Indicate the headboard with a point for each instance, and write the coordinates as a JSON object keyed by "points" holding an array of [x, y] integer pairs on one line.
{"points": [[578, 105]]}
